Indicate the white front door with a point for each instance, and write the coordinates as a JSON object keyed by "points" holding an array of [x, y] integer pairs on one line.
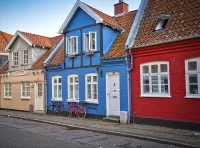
{"points": [[39, 97], [113, 94]]}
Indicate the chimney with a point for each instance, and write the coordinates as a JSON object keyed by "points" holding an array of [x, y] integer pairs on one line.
{"points": [[121, 7]]}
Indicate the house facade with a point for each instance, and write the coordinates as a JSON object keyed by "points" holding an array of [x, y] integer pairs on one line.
{"points": [[22, 77], [94, 66], [165, 85]]}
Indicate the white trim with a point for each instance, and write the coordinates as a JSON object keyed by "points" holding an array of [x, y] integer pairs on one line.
{"points": [[70, 48], [156, 96], [24, 55], [187, 73], [89, 42], [158, 74], [91, 102], [70, 100], [72, 12], [25, 97], [14, 56], [56, 99], [73, 84], [86, 94], [7, 97], [18, 33]]}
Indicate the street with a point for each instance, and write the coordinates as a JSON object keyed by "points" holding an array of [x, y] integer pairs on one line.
{"points": [[17, 133]]}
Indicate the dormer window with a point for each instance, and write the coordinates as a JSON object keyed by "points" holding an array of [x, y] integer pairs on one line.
{"points": [[90, 42], [72, 45], [15, 57], [162, 23]]}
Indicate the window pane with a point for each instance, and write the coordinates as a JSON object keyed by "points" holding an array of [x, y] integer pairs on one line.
{"points": [[76, 79], [193, 78], [164, 79], [86, 42], [146, 88], [146, 80], [94, 78], [94, 86], [71, 91], [88, 78], [163, 68], [194, 89], [55, 80], [154, 68], [59, 80], [192, 66], [164, 89], [89, 91], [154, 79], [155, 89], [145, 69], [76, 92], [71, 80], [92, 41], [55, 91], [59, 91]]}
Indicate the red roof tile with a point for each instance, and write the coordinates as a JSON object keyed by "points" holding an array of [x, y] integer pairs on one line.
{"points": [[107, 19], [38, 40], [4, 40], [184, 21], [4, 68], [59, 57], [54, 43], [118, 48]]}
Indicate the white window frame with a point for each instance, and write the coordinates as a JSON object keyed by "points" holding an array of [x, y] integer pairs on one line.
{"points": [[9, 85], [26, 90], [89, 42], [187, 73], [15, 59], [73, 99], [69, 43], [57, 84], [25, 55], [150, 74], [92, 100]]}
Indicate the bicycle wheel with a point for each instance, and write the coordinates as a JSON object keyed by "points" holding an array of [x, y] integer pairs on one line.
{"points": [[51, 109], [81, 112], [61, 111], [70, 111]]}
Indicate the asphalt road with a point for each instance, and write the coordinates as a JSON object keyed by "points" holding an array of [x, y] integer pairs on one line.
{"points": [[16, 133]]}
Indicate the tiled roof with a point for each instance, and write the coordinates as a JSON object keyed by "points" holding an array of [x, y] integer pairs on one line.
{"points": [[59, 57], [4, 40], [118, 48], [4, 68], [54, 43], [107, 19], [184, 21], [38, 40]]}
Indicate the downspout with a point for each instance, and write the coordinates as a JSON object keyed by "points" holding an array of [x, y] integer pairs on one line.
{"points": [[45, 85]]}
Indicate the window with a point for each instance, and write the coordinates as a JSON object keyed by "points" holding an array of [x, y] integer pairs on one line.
{"points": [[72, 45], [192, 72], [91, 88], [155, 79], [25, 57], [15, 58], [73, 88], [7, 90], [25, 91], [162, 23], [57, 88], [90, 42]]}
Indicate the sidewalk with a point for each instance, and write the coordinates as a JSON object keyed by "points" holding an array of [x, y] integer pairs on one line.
{"points": [[177, 137]]}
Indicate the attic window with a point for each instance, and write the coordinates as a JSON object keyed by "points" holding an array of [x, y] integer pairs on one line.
{"points": [[162, 23]]}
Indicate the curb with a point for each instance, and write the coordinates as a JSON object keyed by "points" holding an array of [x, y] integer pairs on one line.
{"points": [[159, 140]]}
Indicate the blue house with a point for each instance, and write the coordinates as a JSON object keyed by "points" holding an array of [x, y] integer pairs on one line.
{"points": [[92, 66]]}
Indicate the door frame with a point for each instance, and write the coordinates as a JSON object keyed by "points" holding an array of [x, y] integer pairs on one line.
{"points": [[36, 91], [107, 97]]}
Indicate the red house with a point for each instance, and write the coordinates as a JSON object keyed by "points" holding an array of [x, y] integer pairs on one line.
{"points": [[165, 75]]}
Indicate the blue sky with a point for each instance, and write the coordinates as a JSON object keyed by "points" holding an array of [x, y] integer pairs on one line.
{"points": [[45, 17]]}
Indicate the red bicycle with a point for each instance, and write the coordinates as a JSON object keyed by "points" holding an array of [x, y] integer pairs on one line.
{"points": [[80, 111]]}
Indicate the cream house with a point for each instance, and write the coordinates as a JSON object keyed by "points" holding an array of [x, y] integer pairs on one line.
{"points": [[22, 77]]}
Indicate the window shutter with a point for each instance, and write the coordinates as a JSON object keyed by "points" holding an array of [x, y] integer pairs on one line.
{"points": [[76, 38], [66, 46]]}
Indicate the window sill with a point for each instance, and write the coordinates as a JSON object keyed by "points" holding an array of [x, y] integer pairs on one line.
{"points": [[24, 64], [8, 98], [70, 100], [71, 55], [89, 52], [91, 102], [192, 97], [56, 100], [14, 65], [25, 98], [155, 96]]}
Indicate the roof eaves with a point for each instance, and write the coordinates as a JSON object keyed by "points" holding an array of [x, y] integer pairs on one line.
{"points": [[18, 33], [72, 12], [134, 29]]}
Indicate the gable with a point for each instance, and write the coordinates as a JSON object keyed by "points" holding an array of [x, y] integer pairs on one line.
{"points": [[18, 44], [80, 19]]}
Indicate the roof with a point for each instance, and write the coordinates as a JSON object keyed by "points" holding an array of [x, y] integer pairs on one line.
{"points": [[54, 42], [184, 21], [97, 15], [4, 68], [31, 39], [4, 40], [59, 57], [118, 49]]}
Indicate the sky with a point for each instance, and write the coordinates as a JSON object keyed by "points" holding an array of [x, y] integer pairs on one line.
{"points": [[45, 17]]}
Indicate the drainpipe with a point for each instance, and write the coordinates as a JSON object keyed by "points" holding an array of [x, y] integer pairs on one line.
{"points": [[130, 53], [45, 85]]}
